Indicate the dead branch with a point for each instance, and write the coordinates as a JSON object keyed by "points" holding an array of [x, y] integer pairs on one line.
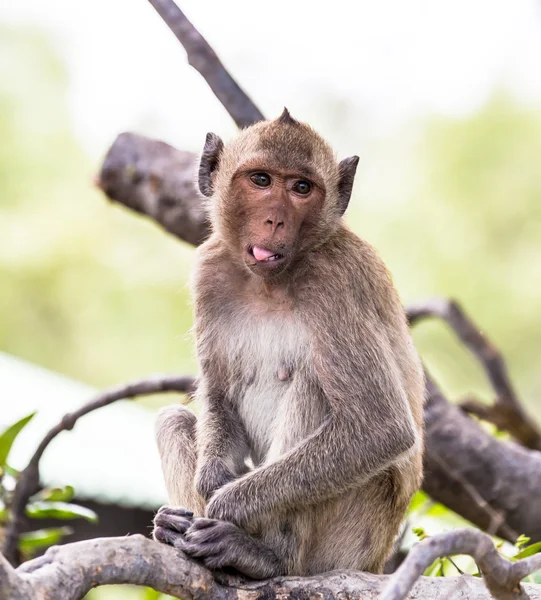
{"points": [[501, 576], [28, 482], [506, 412], [203, 58], [155, 180], [505, 475], [69, 572]]}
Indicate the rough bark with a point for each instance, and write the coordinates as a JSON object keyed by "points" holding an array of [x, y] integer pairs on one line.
{"points": [[154, 179], [69, 572]]}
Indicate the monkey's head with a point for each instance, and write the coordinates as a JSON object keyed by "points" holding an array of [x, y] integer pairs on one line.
{"points": [[275, 192]]}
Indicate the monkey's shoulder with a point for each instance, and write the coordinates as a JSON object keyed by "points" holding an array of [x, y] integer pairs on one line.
{"points": [[348, 271]]}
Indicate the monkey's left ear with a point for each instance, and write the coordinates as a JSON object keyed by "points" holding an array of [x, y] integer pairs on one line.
{"points": [[209, 161], [346, 168]]}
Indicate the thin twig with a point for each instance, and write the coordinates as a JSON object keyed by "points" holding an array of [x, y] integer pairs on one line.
{"points": [[203, 58], [506, 412], [502, 577], [28, 482]]}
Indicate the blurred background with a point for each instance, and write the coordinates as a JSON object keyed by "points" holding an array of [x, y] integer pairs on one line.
{"points": [[441, 100]]}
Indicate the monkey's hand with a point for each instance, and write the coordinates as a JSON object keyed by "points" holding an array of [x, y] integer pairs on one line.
{"points": [[228, 505], [170, 524], [212, 476], [218, 544]]}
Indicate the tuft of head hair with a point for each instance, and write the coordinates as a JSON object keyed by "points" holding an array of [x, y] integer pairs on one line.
{"points": [[286, 119]]}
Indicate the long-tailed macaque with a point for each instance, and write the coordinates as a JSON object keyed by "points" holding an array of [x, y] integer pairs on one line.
{"points": [[308, 446]]}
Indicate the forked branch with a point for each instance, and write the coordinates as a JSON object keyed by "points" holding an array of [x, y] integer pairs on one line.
{"points": [[506, 412], [502, 577], [69, 572]]}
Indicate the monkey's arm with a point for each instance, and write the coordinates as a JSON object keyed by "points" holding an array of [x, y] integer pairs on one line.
{"points": [[222, 445], [370, 427]]}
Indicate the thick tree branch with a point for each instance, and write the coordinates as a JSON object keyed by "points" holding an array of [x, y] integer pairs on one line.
{"points": [[506, 412], [155, 180], [69, 572], [28, 482], [203, 58], [504, 475], [501, 576]]}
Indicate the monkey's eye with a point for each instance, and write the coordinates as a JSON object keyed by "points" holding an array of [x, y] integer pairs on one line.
{"points": [[302, 187], [261, 179]]}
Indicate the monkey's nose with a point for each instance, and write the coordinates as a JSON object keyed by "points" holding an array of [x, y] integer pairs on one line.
{"points": [[274, 223]]}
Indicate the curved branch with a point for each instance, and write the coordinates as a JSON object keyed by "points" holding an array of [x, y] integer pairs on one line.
{"points": [[69, 572], [203, 58], [501, 576], [28, 482], [506, 413]]}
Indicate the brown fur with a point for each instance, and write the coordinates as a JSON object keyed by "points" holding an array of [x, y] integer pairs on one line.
{"points": [[308, 372]]}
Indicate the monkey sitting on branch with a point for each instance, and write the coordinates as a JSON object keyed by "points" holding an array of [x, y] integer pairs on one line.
{"points": [[308, 373]]}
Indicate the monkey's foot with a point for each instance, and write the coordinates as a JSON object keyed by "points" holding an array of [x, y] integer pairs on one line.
{"points": [[170, 523], [219, 544]]}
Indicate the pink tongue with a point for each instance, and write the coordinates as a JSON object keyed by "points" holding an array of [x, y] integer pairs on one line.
{"points": [[261, 253]]}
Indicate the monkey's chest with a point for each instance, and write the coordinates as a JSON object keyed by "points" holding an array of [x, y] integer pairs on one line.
{"points": [[270, 379]]}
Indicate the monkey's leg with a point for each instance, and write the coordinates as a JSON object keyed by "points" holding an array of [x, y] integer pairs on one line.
{"points": [[175, 435], [218, 544]]}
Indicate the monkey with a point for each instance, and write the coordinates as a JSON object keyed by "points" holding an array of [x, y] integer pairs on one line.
{"points": [[308, 447]]}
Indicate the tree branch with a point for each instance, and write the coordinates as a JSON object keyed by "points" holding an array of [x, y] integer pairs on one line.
{"points": [[28, 483], [506, 412], [203, 58], [69, 572], [501, 576], [156, 180]]}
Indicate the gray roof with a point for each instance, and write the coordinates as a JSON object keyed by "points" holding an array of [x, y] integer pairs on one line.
{"points": [[110, 455]]}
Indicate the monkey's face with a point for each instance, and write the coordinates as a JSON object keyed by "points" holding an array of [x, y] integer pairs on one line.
{"points": [[275, 210], [274, 192]]}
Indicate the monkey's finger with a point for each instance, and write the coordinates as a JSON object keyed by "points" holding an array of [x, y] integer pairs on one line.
{"points": [[194, 550], [165, 536], [177, 511], [179, 524], [203, 523]]}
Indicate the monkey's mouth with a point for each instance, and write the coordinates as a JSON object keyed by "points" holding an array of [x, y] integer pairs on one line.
{"points": [[262, 255]]}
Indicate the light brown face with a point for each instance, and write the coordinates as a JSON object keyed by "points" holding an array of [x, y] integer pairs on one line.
{"points": [[274, 209]]}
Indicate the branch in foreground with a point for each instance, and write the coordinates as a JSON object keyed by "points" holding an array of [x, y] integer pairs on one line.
{"points": [[501, 576], [506, 412], [203, 58], [28, 482], [68, 572]]}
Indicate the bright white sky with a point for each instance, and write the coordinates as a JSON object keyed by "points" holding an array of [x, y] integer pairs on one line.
{"points": [[381, 61]]}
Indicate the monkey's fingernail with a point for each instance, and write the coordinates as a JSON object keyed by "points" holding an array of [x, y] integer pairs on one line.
{"points": [[189, 513]]}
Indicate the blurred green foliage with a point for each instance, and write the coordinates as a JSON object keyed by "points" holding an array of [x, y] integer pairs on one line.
{"points": [[88, 290]]}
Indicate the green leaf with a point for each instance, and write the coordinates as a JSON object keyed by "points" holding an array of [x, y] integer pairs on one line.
{"points": [[528, 551], [42, 538], [64, 494], [60, 510], [8, 437], [419, 532], [522, 540], [435, 569]]}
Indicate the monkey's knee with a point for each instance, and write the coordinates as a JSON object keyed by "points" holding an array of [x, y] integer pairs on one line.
{"points": [[175, 436], [175, 424]]}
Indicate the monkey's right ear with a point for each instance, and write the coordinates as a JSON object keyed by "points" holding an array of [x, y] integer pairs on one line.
{"points": [[347, 169], [209, 161]]}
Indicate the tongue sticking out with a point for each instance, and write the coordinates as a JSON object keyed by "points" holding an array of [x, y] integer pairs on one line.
{"points": [[261, 253]]}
